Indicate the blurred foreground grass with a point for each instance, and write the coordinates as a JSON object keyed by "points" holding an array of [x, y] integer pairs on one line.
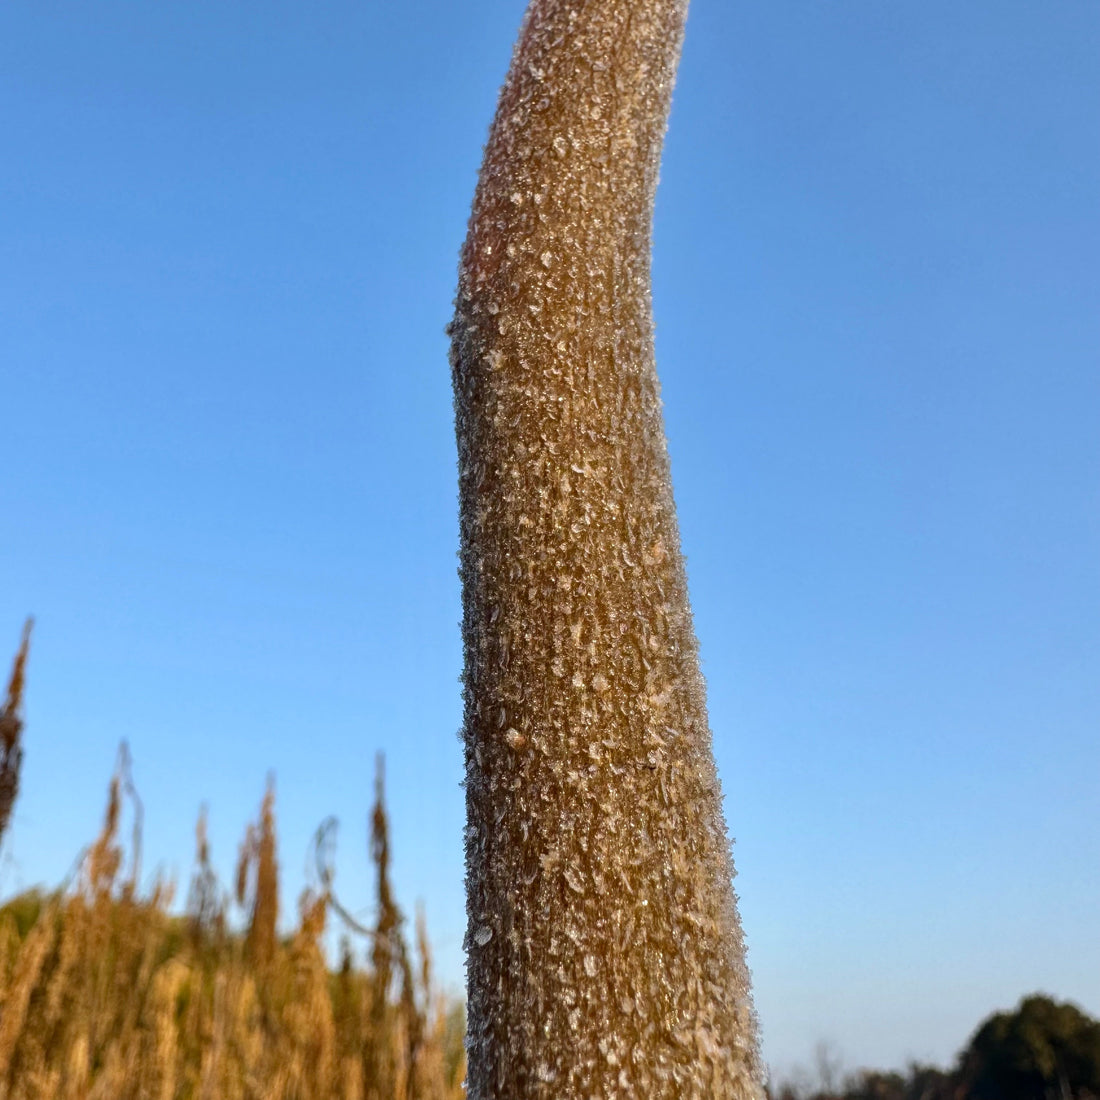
{"points": [[106, 994]]}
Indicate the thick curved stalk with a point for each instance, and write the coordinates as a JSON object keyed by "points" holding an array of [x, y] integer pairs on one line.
{"points": [[605, 956]]}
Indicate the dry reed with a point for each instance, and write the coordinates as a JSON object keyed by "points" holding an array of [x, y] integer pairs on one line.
{"points": [[11, 730], [105, 994]]}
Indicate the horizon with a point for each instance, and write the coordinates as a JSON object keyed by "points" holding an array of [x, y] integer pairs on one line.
{"points": [[232, 242]]}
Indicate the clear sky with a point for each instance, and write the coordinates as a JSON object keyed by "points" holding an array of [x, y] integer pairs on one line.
{"points": [[228, 245]]}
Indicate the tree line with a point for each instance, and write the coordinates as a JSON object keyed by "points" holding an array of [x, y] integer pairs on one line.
{"points": [[1041, 1050]]}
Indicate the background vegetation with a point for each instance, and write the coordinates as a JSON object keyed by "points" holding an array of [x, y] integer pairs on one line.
{"points": [[1042, 1050], [106, 993]]}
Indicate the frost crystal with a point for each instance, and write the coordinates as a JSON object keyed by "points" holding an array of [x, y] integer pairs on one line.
{"points": [[600, 857]]}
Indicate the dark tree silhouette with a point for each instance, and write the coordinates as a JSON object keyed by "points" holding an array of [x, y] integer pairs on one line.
{"points": [[1042, 1049], [605, 954]]}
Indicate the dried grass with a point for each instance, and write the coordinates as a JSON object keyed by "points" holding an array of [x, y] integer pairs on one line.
{"points": [[106, 995], [11, 730]]}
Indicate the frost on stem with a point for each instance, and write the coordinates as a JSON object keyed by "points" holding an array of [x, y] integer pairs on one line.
{"points": [[605, 956]]}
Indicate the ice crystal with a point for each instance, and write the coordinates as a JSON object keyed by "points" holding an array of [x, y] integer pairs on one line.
{"points": [[599, 857]]}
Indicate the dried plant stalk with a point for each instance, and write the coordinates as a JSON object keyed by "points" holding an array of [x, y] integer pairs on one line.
{"points": [[11, 730], [605, 954]]}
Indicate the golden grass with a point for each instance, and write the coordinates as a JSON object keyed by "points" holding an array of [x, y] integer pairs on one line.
{"points": [[106, 995]]}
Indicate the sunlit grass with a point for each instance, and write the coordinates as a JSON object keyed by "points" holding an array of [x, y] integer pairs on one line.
{"points": [[106, 992]]}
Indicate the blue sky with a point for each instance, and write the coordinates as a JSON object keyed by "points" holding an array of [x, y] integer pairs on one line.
{"points": [[229, 237]]}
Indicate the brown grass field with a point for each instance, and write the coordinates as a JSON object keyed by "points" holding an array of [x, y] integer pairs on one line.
{"points": [[107, 993]]}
